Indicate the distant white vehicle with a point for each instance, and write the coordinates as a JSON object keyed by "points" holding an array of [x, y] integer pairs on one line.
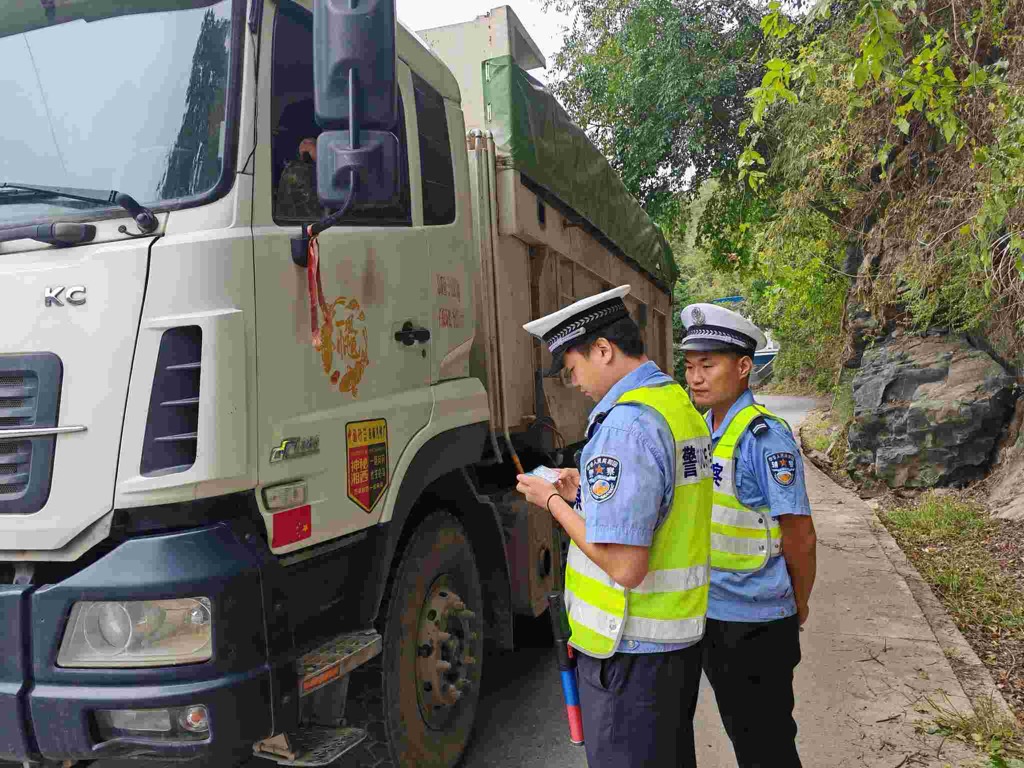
{"points": [[764, 360]]}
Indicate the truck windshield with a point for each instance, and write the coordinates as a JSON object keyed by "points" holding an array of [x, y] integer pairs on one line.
{"points": [[133, 102]]}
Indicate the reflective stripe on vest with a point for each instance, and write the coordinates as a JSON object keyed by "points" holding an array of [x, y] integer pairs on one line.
{"points": [[743, 539], [670, 604]]}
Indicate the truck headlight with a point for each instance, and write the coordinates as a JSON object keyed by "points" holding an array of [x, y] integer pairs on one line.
{"points": [[143, 633]]}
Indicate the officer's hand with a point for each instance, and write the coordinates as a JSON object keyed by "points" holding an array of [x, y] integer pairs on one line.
{"points": [[537, 490], [568, 484], [801, 612]]}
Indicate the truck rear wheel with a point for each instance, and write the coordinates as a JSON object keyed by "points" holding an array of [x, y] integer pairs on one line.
{"points": [[433, 646]]}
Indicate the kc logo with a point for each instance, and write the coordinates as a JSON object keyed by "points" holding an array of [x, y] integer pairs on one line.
{"points": [[75, 295]]}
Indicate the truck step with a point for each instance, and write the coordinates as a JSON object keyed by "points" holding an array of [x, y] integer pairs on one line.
{"points": [[313, 746], [335, 659]]}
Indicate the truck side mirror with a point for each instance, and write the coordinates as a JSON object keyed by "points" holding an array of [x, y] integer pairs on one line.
{"points": [[356, 98]]}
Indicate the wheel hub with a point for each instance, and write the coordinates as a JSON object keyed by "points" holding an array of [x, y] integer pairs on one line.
{"points": [[445, 638]]}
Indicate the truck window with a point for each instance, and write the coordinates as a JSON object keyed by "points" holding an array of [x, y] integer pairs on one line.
{"points": [[140, 98], [294, 131], [435, 155]]}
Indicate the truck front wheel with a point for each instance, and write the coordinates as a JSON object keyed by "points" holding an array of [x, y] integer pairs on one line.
{"points": [[433, 646]]}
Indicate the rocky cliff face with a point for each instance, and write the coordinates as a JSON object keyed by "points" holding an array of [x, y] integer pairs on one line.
{"points": [[928, 412]]}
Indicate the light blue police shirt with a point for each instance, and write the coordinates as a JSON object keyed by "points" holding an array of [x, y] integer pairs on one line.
{"points": [[768, 594], [639, 444]]}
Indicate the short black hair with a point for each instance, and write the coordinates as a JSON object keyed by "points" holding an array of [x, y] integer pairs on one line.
{"points": [[623, 333]]}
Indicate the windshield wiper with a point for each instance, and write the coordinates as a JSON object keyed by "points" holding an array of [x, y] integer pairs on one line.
{"points": [[59, 233], [144, 217]]}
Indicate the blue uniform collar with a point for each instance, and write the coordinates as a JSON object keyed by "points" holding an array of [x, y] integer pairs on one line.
{"points": [[637, 378], [746, 399]]}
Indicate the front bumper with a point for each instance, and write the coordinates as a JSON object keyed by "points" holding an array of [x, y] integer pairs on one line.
{"points": [[47, 711]]}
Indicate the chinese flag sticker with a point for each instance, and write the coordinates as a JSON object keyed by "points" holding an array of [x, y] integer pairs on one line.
{"points": [[291, 525], [367, 446]]}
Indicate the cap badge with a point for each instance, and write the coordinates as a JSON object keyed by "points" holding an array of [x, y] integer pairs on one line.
{"points": [[698, 316]]}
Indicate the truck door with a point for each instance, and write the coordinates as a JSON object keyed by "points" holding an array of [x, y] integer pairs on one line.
{"points": [[339, 418]]}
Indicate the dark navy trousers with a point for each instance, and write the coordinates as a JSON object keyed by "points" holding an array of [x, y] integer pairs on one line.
{"points": [[638, 708], [750, 665]]}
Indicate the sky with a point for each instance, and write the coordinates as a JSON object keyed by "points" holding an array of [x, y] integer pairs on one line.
{"points": [[545, 27]]}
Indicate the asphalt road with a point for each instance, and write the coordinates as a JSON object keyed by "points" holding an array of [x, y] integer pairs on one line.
{"points": [[521, 721]]}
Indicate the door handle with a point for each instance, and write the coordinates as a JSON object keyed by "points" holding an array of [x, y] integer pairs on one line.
{"points": [[410, 334]]}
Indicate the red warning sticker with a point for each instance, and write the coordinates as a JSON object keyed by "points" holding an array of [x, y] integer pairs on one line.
{"points": [[367, 445]]}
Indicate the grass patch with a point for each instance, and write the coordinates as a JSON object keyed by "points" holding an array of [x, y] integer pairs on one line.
{"points": [[987, 730], [819, 431], [945, 536], [960, 550], [825, 430]]}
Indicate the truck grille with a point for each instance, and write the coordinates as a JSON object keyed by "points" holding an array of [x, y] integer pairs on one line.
{"points": [[18, 399], [15, 462], [29, 397]]}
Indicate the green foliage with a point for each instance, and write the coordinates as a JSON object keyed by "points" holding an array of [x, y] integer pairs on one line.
{"points": [[782, 261], [941, 290], [803, 295], [1001, 163], [658, 85], [895, 126], [867, 120]]}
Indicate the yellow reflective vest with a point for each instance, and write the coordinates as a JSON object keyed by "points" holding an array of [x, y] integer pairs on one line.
{"points": [[669, 606], [743, 539]]}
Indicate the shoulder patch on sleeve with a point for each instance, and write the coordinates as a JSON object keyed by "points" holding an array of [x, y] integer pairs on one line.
{"points": [[602, 476], [759, 426], [782, 468]]}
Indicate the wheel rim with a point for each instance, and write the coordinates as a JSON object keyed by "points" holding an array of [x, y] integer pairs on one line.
{"points": [[444, 661]]}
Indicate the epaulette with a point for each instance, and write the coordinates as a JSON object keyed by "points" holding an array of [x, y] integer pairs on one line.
{"points": [[598, 420], [759, 426]]}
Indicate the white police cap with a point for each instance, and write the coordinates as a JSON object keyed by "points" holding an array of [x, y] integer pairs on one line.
{"points": [[560, 328], [710, 327]]}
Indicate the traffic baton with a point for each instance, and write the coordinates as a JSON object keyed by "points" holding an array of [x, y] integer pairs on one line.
{"points": [[566, 666]]}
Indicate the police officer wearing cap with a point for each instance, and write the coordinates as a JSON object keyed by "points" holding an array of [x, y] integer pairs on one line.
{"points": [[638, 511], [762, 542]]}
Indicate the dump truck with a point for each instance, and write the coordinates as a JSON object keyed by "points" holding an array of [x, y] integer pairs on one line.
{"points": [[264, 266]]}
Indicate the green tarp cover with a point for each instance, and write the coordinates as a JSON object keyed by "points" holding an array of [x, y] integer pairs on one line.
{"points": [[535, 133]]}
